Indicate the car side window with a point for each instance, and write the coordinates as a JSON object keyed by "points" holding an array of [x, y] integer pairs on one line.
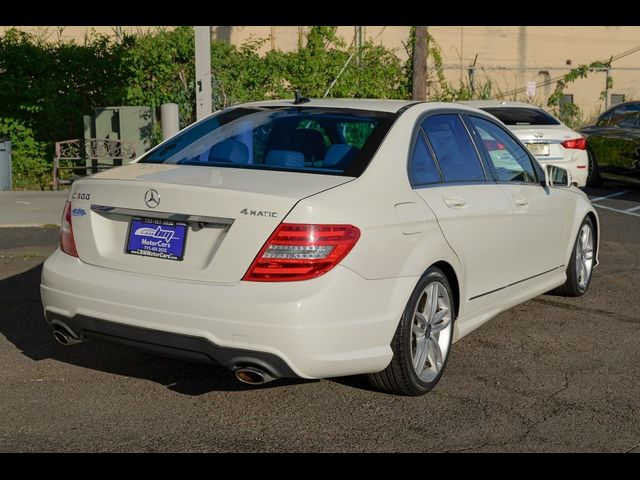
{"points": [[510, 162], [422, 167], [453, 148], [617, 116], [630, 120], [605, 119]]}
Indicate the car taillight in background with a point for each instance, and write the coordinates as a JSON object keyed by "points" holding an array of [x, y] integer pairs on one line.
{"points": [[577, 143], [67, 243], [301, 251]]}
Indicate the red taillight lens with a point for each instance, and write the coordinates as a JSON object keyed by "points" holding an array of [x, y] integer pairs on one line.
{"points": [[300, 252], [577, 143], [67, 243]]}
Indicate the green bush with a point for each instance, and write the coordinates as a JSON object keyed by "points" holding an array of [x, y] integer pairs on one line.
{"points": [[28, 155]]}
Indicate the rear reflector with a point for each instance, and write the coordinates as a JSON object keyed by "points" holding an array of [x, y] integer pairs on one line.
{"points": [[577, 143], [67, 243], [300, 252]]}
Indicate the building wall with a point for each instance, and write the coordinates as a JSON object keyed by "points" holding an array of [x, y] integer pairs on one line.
{"points": [[509, 56]]}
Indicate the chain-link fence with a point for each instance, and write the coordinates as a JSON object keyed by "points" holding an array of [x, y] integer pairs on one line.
{"points": [[582, 101]]}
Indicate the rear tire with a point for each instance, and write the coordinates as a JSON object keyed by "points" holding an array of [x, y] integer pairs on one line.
{"points": [[580, 266], [593, 178], [422, 341]]}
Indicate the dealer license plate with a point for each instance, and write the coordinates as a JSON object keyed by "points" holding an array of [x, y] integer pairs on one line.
{"points": [[151, 237]]}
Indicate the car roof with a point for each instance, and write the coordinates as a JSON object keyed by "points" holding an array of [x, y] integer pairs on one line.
{"points": [[499, 104], [392, 106], [371, 104], [623, 104]]}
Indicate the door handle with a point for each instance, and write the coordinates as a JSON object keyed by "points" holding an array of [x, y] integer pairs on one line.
{"points": [[454, 202], [520, 201]]}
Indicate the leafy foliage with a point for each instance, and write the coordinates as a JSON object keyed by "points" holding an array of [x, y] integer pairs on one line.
{"points": [[28, 154], [46, 87], [569, 113]]}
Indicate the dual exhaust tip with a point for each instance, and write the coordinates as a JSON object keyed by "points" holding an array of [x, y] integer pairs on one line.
{"points": [[250, 375]]}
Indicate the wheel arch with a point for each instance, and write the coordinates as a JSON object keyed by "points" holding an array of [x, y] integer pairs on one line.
{"points": [[452, 278]]}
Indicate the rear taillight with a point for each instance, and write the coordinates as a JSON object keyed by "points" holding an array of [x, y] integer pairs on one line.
{"points": [[300, 252], [67, 243], [577, 143]]}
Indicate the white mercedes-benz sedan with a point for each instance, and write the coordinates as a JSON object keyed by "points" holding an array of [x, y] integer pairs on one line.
{"points": [[548, 139], [311, 239]]}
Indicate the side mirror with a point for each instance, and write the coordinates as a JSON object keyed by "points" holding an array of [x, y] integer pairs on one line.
{"points": [[555, 176]]}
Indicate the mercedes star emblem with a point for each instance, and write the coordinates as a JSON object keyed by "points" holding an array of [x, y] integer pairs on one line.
{"points": [[152, 198]]}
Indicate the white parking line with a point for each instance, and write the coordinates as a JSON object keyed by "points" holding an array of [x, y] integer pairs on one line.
{"points": [[633, 209], [627, 212], [616, 194]]}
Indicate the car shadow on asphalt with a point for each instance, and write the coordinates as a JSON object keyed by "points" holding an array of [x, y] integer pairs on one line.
{"points": [[22, 323]]}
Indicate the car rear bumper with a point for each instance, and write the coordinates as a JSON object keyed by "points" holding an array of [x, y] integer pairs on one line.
{"points": [[336, 324], [577, 163]]}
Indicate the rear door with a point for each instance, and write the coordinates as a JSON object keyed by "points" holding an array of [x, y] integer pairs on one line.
{"points": [[473, 213], [539, 215]]}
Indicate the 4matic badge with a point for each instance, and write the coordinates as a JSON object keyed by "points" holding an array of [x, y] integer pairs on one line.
{"points": [[259, 213]]}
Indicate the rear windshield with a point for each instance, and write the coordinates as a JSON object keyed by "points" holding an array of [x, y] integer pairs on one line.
{"points": [[522, 116], [315, 140]]}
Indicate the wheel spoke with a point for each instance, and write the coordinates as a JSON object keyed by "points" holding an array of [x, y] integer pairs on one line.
{"points": [[584, 237], [586, 271], [581, 273], [420, 356], [432, 301], [420, 324], [587, 253], [435, 353], [441, 320]]}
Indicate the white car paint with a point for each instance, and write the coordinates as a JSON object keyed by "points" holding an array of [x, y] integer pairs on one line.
{"points": [[574, 160], [499, 252]]}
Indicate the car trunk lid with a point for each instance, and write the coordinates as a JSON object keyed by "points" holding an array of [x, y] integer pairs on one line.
{"points": [[227, 214]]}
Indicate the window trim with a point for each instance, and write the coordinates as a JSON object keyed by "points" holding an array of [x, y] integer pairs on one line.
{"points": [[412, 151], [449, 111]]}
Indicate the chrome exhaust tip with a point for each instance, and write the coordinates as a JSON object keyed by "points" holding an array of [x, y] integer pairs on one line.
{"points": [[253, 376], [64, 336]]}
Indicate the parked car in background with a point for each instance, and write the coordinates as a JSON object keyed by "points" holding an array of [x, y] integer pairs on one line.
{"points": [[613, 144], [318, 239], [550, 140]]}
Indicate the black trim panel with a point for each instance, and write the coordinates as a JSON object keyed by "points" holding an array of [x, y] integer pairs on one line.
{"points": [[174, 345], [516, 283]]}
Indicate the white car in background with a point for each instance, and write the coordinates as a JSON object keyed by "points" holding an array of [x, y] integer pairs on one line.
{"points": [[318, 239], [550, 140]]}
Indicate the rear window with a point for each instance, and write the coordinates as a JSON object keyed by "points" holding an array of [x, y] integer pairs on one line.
{"points": [[522, 116], [315, 140]]}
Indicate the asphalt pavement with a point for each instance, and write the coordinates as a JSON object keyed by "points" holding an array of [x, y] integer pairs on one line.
{"points": [[553, 374], [31, 209]]}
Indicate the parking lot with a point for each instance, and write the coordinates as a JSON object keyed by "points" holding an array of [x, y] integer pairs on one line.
{"points": [[553, 374]]}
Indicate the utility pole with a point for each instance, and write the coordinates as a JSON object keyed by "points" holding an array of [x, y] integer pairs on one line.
{"points": [[420, 64], [203, 71]]}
